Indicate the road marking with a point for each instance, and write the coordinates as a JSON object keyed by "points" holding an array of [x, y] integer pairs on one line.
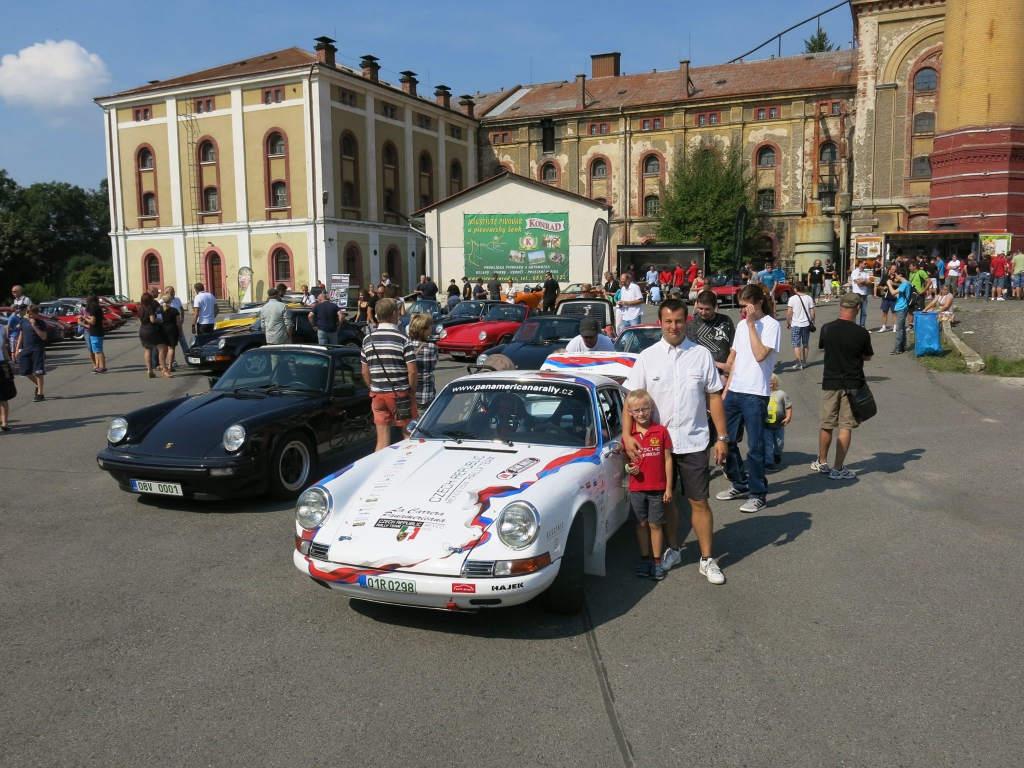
{"points": [[625, 749]]}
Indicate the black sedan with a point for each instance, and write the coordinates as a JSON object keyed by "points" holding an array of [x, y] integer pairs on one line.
{"points": [[537, 338], [266, 425], [218, 350], [462, 313]]}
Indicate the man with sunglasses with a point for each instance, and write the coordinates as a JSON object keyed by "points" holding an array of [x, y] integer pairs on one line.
{"points": [[683, 381]]}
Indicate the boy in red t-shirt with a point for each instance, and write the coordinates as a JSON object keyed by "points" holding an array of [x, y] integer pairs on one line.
{"points": [[650, 482]]}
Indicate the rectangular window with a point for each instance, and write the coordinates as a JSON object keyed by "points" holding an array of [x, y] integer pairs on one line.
{"points": [[713, 118], [604, 127], [505, 138], [273, 95], [205, 105], [593, 129], [389, 110], [773, 113], [835, 107], [645, 125], [547, 135], [455, 131], [762, 114], [423, 121], [657, 123], [702, 119], [347, 97]]}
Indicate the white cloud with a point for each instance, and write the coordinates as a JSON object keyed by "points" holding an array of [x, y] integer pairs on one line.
{"points": [[52, 75]]}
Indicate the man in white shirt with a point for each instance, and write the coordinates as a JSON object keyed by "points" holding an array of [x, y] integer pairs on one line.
{"points": [[799, 317], [590, 339], [861, 280], [651, 277], [953, 267], [752, 360], [205, 306], [631, 301], [308, 299], [20, 299], [683, 381]]}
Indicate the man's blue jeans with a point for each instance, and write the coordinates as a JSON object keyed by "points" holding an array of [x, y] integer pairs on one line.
{"points": [[984, 284], [326, 337], [970, 285], [749, 413], [863, 311], [901, 330], [634, 321]]}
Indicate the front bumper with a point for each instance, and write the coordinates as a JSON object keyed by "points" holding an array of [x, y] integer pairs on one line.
{"points": [[241, 476], [431, 591], [209, 358], [464, 349]]}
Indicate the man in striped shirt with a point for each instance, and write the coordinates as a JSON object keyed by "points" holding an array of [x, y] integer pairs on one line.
{"points": [[389, 365]]}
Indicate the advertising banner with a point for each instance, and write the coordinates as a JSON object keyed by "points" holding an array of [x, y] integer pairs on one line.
{"points": [[994, 244], [870, 249], [244, 280], [338, 290], [599, 250], [522, 246]]}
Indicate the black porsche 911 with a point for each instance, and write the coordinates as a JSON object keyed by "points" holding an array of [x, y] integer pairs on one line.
{"points": [[537, 338], [267, 424], [217, 350]]}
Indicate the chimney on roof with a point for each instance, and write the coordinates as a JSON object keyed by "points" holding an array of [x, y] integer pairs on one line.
{"points": [[370, 67], [408, 81], [444, 96], [581, 92], [325, 51], [605, 64], [466, 103], [684, 73]]}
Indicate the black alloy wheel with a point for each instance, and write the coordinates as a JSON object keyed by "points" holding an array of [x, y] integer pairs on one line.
{"points": [[292, 466]]}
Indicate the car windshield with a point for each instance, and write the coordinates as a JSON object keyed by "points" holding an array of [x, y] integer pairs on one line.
{"points": [[509, 312], [426, 307], [598, 309], [538, 412], [271, 368], [573, 288], [548, 330], [467, 309], [637, 339]]}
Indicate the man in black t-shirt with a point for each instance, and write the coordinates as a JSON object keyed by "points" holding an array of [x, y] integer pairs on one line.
{"points": [[467, 289], [551, 291], [712, 330], [847, 347], [30, 349], [429, 289], [479, 292], [494, 288], [816, 278], [326, 317]]}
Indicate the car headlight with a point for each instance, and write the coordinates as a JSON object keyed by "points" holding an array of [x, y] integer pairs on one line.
{"points": [[221, 343], [482, 336], [438, 328], [192, 343], [444, 334], [481, 358], [117, 430], [234, 437], [312, 508], [518, 525]]}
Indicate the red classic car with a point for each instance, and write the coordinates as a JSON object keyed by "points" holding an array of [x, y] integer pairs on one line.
{"points": [[125, 302], [498, 326], [55, 329], [68, 313], [725, 287]]}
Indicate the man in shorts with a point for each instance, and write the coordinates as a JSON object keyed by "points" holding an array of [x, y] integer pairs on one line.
{"points": [[30, 351], [389, 364], [847, 347], [1017, 265]]}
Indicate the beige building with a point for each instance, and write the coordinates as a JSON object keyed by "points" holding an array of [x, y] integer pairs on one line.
{"points": [[288, 164]]}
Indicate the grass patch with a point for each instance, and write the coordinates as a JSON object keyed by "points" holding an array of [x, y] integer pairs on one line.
{"points": [[1000, 366], [950, 361]]}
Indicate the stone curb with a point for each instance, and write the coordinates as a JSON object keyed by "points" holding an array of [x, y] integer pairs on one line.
{"points": [[975, 364]]}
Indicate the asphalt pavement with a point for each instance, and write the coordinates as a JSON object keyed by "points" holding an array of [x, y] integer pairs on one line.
{"points": [[868, 622]]}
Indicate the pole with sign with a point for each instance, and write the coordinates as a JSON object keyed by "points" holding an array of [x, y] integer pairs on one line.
{"points": [[739, 237], [599, 250]]}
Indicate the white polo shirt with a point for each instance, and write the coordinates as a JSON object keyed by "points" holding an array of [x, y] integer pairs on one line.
{"points": [[578, 345], [632, 293], [859, 274], [679, 379]]}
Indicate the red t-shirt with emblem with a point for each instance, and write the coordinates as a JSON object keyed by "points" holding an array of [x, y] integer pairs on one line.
{"points": [[679, 276], [651, 459]]}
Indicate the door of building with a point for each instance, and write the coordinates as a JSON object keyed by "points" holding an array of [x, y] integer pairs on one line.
{"points": [[214, 276]]}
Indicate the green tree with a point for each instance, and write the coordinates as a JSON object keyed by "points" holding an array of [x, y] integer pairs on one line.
{"points": [[709, 184], [40, 292], [92, 279], [20, 251], [818, 43]]}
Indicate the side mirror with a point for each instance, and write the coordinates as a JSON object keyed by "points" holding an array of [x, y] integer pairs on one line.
{"points": [[411, 426], [343, 391], [213, 380], [614, 448]]}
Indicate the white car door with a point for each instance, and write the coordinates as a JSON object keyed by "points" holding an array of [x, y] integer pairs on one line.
{"points": [[613, 470]]}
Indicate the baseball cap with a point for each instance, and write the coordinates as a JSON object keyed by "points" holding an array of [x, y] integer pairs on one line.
{"points": [[589, 326], [850, 300]]}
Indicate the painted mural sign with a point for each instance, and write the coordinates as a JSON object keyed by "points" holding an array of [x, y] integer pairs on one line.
{"points": [[994, 244], [244, 279], [521, 246]]}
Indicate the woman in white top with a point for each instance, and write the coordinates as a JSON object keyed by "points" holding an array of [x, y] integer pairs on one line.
{"points": [[799, 319], [510, 292]]}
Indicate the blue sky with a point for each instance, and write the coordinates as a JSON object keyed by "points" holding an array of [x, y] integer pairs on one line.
{"points": [[50, 130]]}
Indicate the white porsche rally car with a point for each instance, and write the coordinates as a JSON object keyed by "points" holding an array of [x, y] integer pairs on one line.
{"points": [[613, 365], [509, 487]]}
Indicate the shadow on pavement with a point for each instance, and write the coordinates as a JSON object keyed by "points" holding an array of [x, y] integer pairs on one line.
{"points": [[888, 463], [61, 424], [742, 538], [248, 505]]}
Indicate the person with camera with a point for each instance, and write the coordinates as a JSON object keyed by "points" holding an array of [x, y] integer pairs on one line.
{"points": [[389, 365]]}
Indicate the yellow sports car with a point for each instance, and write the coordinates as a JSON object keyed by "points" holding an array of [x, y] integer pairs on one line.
{"points": [[245, 318]]}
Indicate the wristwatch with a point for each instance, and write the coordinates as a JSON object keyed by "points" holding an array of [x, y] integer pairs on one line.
{"points": [[721, 439]]}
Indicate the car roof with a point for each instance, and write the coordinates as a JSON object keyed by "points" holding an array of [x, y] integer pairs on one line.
{"points": [[543, 377]]}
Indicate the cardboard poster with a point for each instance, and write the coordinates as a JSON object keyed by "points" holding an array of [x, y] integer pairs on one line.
{"points": [[338, 290]]}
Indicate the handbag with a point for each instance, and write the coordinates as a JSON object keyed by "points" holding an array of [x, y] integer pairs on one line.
{"points": [[862, 403], [810, 323], [403, 403], [8, 389]]}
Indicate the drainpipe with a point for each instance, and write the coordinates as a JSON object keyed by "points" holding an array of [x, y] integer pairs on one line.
{"points": [[312, 155]]}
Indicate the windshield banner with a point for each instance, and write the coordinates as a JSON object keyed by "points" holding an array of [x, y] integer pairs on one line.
{"points": [[521, 246]]}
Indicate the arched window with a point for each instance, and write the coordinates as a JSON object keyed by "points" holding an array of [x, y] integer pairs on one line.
{"points": [[652, 205], [652, 166], [145, 160], [393, 265], [828, 153], [152, 272], [389, 161], [207, 152], [766, 157], [149, 204], [926, 79], [349, 172], [599, 169], [548, 173], [281, 267], [455, 178], [210, 202], [278, 195], [145, 182], [426, 188], [922, 168], [766, 199], [354, 265], [275, 145], [924, 122]]}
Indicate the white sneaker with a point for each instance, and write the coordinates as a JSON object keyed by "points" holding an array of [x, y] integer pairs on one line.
{"points": [[729, 495], [671, 558], [709, 568], [1000, 299], [753, 505], [841, 474], [820, 466]]}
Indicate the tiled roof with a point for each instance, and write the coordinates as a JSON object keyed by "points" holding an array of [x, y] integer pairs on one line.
{"points": [[256, 65], [506, 174], [771, 77]]}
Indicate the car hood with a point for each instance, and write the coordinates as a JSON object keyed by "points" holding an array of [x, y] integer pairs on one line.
{"points": [[195, 427], [492, 327], [432, 502], [527, 356], [614, 365]]}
